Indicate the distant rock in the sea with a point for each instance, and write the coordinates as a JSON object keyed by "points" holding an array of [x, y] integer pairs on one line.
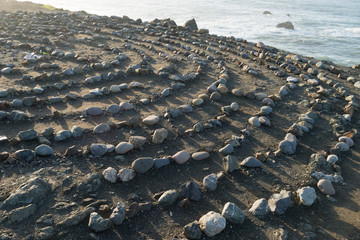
{"points": [[267, 13], [287, 25], [191, 24]]}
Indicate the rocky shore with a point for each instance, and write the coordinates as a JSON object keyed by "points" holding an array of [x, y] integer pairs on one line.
{"points": [[115, 128]]}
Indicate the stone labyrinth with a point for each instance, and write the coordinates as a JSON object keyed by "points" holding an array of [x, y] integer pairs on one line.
{"points": [[113, 128]]}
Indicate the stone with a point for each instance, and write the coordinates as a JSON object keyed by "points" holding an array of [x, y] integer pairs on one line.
{"points": [[21, 213], [181, 157], [306, 195], [17, 103], [286, 25], [27, 135], [142, 165], [123, 147], [151, 120], [62, 135], [326, 187], [110, 174], [264, 121], [215, 96], [47, 132], [113, 109], [254, 121], [192, 231], [237, 92], [210, 182], [288, 145], [97, 223], [126, 106], [230, 164], [126, 175], [76, 217], [133, 210], [190, 190], [280, 202], [200, 155], [332, 158], [17, 115], [118, 214], [233, 213], [191, 25], [44, 150], [342, 146], [234, 106], [45, 233], [260, 207], [346, 140], [197, 102], [29, 101], [94, 111], [98, 149], [137, 141], [227, 150], [26, 155], [76, 131], [212, 223], [251, 162], [6, 70], [265, 110], [101, 128], [159, 135], [161, 162], [168, 197]]}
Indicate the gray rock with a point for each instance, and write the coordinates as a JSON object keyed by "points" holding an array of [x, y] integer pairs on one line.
{"points": [[17, 103], [174, 113], [200, 155], [17, 115], [32, 191], [29, 101], [21, 213], [101, 128], [230, 164], [26, 155], [113, 109], [76, 131], [193, 231], [69, 72], [286, 25], [212, 223], [6, 70], [280, 202], [62, 135], [137, 141], [168, 197], [159, 135], [190, 190], [76, 217], [191, 25], [306, 195], [123, 148], [233, 213], [44, 150], [251, 162], [3, 115], [47, 132], [142, 165], [118, 214], [98, 149], [228, 149], [210, 182], [94, 111], [27, 135], [161, 162], [260, 207], [126, 175], [288, 145], [186, 108], [97, 223], [110, 174]]}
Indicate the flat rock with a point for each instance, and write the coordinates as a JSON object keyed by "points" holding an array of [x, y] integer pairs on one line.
{"points": [[212, 223], [326, 187], [200, 155], [123, 147], [181, 157], [142, 165], [97, 223], [233, 213]]}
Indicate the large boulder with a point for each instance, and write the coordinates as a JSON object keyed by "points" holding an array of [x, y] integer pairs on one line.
{"points": [[286, 25]]}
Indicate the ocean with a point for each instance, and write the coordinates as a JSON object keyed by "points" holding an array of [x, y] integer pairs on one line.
{"points": [[324, 29]]}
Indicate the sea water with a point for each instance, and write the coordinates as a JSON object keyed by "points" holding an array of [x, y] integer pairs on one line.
{"points": [[324, 29]]}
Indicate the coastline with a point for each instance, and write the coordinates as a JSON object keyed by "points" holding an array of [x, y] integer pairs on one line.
{"points": [[137, 130]]}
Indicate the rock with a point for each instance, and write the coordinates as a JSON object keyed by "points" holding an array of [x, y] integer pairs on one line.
{"points": [[191, 25], [260, 207], [24, 155], [113, 109], [237, 92], [161, 162], [126, 175], [332, 158], [62, 135], [98, 149], [233, 213], [126, 106], [44, 150], [142, 165], [227, 150], [286, 25], [357, 84], [197, 102], [151, 120], [346, 140], [326, 187], [27, 135], [190, 190], [76, 131], [230, 164], [137, 141], [342, 146], [288, 145], [210, 182], [265, 110], [17, 115], [280, 202], [192, 231], [45, 233], [306, 195], [123, 147], [168, 197], [200, 155], [8, 70], [101, 128], [264, 121], [97, 223], [267, 13], [32, 191], [181, 157], [234, 106], [159, 135], [212, 223], [73, 151], [251, 162], [110, 174], [254, 121], [94, 111], [29, 101], [21, 213], [76, 217], [215, 96], [118, 214]]}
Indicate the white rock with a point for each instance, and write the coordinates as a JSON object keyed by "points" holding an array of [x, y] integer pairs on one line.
{"points": [[110, 174], [254, 121], [346, 140], [151, 120], [306, 195], [212, 223], [332, 158]]}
